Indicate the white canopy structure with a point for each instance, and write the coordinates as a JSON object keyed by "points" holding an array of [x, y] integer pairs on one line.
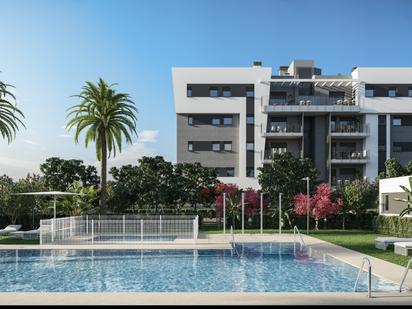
{"points": [[50, 193]]}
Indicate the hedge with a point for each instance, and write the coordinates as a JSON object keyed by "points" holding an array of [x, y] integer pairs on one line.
{"points": [[393, 225]]}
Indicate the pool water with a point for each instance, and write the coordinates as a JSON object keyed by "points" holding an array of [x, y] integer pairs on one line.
{"points": [[262, 267]]}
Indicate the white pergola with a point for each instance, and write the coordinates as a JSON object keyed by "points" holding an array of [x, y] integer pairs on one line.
{"points": [[50, 193]]}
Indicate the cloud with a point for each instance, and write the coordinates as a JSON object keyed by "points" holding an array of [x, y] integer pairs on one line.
{"points": [[18, 168], [128, 155], [148, 136], [65, 135], [27, 141]]}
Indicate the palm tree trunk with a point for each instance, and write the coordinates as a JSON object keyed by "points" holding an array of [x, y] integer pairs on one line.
{"points": [[103, 183]]}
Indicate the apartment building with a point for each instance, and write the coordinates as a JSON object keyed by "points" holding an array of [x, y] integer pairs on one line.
{"points": [[235, 119]]}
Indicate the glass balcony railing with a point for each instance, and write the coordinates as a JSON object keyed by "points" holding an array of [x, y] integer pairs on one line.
{"points": [[348, 128], [312, 100], [268, 154], [350, 155], [275, 128]]}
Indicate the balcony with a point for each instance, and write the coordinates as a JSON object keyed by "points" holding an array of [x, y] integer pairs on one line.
{"points": [[267, 155], [349, 130], [283, 131], [310, 104], [349, 157]]}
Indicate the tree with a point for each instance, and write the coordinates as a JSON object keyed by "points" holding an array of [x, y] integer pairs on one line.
{"points": [[394, 168], [148, 184], [60, 174], [9, 114], [284, 175], [107, 117], [407, 201], [16, 207], [77, 205], [192, 179], [321, 204], [357, 196]]}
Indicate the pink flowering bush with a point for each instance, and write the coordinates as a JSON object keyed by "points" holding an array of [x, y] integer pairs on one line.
{"points": [[321, 204], [234, 202]]}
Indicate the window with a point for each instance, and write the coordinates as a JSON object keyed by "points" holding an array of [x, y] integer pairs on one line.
{"points": [[386, 203], [250, 93], [402, 147], [369, 92], [397, 121], [409, 92], [190, 120], [250, 120], [213, 92], [216, 146], [216, 121], [250, 172], [228, 146], [227, 92], [190, 146], [228, 121], [189, 91], [250, 146], [230, 172], [392, 92]]}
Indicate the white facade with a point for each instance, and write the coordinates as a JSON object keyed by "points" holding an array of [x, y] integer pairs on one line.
{"points": [[390, 187]]}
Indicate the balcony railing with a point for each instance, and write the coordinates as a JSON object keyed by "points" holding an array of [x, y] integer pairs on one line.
{"points": [[273, 128], [350, 128], [350, 155], [268, 154], [312, 100]]}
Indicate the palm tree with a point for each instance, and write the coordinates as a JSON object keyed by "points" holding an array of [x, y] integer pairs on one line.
{"points": [[9, 114], [408, 201], [107, 116]]}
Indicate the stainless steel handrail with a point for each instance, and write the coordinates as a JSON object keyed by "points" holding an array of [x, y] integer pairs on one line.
{"points": [[233, 243], [365, 259], [405, 274], [296, 230]]}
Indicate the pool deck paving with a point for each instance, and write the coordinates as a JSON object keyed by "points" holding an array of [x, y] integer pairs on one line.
{"points": [[380, 268]]}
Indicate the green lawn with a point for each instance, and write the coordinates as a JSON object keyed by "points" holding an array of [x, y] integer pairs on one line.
{"points": [[358, 240], [5, 240]]}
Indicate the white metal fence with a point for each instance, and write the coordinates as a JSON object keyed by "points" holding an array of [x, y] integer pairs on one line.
{"points": [[108, 229]]}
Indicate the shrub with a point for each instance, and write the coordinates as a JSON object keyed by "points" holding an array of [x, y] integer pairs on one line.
{"points": [[393, 225]]}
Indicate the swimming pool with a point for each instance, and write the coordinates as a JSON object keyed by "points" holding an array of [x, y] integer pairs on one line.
{"points": [[261, 267]]}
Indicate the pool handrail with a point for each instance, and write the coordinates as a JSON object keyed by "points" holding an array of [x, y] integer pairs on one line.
{"points": [[365, 259], [302, 242], [405, 274], [233, 243]]}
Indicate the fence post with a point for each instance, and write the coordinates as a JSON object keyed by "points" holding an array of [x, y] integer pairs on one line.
{"points": [[160, 226], [224, 213], [261, 213], [93, 231], [87, 224], [41, 233], [52, 228], [70, 227], [195, 228], [124, 224], [243, 212], [141, 229]]}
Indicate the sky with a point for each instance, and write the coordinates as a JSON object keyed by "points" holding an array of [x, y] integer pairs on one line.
{"points": [[49, 48]]}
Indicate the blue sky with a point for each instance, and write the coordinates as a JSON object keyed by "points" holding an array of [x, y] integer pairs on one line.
{"points": [[49, 48]]}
